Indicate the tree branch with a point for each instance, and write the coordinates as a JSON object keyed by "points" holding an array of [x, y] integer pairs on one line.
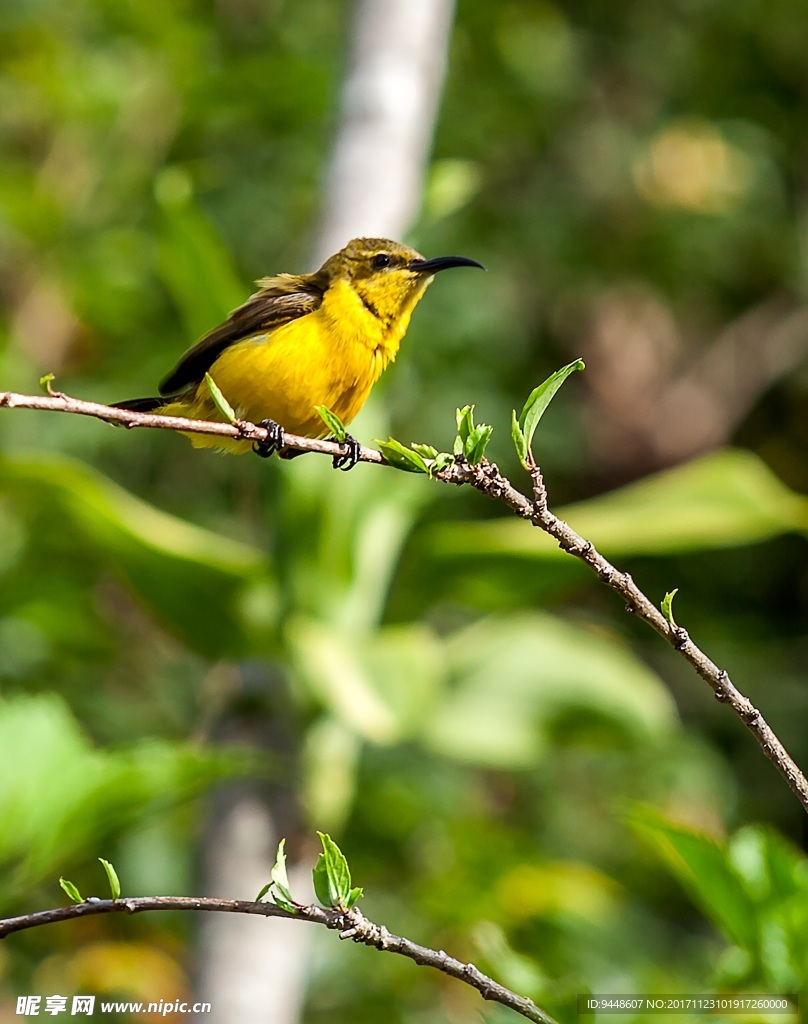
{"points": [[487, 478], [351, 924], [241, 430]]}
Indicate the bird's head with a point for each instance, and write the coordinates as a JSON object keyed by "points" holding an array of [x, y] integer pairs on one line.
{"points": [[388, 277]]}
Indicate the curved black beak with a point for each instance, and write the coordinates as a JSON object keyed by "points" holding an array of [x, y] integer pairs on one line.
{"points": [[442, 263]]}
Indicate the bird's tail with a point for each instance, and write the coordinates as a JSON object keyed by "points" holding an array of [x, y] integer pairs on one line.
{"points": [[140, 404]]}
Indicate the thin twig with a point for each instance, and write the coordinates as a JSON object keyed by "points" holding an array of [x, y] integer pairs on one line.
{"points": [[351, 924], [241, 430], [488, 479]]}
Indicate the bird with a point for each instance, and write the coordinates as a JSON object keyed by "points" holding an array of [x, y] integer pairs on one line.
{"points": [[302, 341]]}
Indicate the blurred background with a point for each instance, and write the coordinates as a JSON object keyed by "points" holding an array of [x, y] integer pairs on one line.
{"points": [[199, 655]]}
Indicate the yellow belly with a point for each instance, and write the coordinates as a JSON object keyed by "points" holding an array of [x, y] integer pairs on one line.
{"points": [[283, 374]]}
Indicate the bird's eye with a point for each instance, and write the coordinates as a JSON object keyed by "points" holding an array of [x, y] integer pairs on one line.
{"points": [[380, 261]]}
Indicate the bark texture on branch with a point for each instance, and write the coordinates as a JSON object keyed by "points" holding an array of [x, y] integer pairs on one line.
{"points": [[351, 924]]}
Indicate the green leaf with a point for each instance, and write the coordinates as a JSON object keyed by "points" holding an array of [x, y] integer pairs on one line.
{"points": [[167, 561], [705, 870], [279, 877], [667, 605], [771, 869], [465, 425], [45, 383], [477, 442], [280, 884], [465, 422], [540, 397], [353, 897], [71, 890], [515, 682], [332, 421], [401, 457], [441, 461], [331, 875], [52, 777], [112, 878], [471, 441], [519, 440], [334, 669], [221, 403], [436, 460], [319, 877]]}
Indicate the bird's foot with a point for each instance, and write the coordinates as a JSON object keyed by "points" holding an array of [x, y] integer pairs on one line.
{"points": [[351, 456], [273, 442]]}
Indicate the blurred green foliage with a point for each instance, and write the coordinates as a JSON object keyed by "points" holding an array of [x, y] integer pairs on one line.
{"points": [[468, 714], [60, 796], [753, 889]]}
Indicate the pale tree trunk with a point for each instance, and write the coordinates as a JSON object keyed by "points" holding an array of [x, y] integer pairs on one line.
{"points": [[251, 970], [375, 176], [254, 971]]}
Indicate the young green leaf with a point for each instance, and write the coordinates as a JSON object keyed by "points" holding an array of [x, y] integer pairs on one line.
{"points": [[436, 460], [353, 897], [277, 890], [471, 441], [71, 890], [331, 875], [292, 908], [332, 421], [465, 425], [400, 457], [477, 442], [519, 440], [540, 397], [45, 383], [465, 422], [319, 877], [441, 461], [667, 605], [112, 878], [221, 403], [279, 877]]}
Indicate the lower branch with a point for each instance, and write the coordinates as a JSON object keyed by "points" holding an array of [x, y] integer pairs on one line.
{"points": [[351, 924]]}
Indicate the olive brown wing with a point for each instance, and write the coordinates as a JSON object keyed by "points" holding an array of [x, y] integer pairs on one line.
{"points": [[280, 300]]}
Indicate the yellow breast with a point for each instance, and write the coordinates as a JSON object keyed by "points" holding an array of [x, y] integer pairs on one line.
{"points": [[330, 357]]}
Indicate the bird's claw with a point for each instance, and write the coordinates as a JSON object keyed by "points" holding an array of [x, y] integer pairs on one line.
{"points": [[274, 440], [351, 456]]}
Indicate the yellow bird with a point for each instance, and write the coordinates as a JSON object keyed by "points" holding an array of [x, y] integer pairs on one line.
{"points": [[304, 340]]}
